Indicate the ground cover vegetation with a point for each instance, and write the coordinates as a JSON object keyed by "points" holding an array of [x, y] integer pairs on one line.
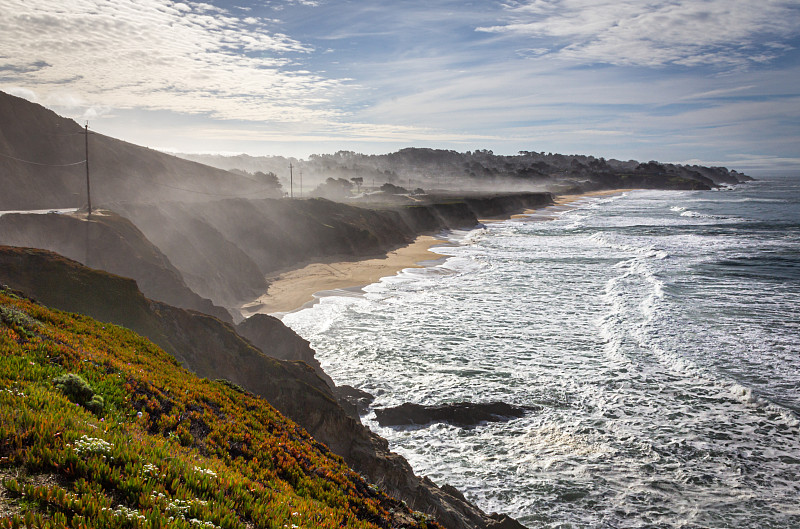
{"points": [[101, 428]]}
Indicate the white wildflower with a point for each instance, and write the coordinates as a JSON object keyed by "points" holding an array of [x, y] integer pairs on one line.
{"points": [[205, 472], [91, 445]]}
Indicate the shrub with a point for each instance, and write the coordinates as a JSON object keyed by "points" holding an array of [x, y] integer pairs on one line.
{"points": [[80, 392], [96, 405]]}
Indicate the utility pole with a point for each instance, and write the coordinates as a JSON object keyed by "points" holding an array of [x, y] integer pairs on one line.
{"points": [[88, 188], [291, 182], [301, 183]]}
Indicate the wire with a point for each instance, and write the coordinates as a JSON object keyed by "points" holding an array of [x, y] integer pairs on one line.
{"points": [[213, 194], [66, 133], [152, 180], [43, 164]]}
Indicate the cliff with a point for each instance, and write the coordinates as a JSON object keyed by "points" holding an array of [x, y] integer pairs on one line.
{"points": [[212, 348], [107, 242], [225, 248]]}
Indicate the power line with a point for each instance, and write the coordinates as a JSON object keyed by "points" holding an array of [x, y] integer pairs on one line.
{"points": [[212, 194], [65, 133], [85, 161], [42, 164], [88, 192]]}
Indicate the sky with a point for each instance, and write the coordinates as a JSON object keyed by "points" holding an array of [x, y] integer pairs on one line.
{"points": [[715, 82]]}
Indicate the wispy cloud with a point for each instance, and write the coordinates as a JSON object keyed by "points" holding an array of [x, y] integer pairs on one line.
{"points": [[647, 79], [155, 54], [723, 33]]}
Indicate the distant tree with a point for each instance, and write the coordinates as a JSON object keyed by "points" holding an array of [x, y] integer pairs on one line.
{"points": [[267, 180], [270, 179], [358, 181], [393, 189], [333, 189]]}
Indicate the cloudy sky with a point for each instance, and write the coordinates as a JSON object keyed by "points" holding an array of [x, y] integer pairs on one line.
{"points": [[708, 81]]}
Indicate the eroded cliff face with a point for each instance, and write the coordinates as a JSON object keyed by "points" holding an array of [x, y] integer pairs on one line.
{"points": [[225, 248], [212, 348], [268, 333]]}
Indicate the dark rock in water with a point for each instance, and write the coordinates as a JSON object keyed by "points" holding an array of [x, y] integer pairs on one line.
{"points": [[354, 398], [464, 414], [502, 521]]}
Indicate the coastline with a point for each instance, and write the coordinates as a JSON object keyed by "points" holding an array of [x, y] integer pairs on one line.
{"points": [[295, 289], [564, 200]]}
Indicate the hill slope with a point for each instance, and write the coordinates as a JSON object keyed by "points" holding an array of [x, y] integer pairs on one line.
{"points": [[36, 144], [159, 447]]}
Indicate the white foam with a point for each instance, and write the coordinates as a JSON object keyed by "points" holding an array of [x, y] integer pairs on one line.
{"points": [[62, 211], [583, 317]]}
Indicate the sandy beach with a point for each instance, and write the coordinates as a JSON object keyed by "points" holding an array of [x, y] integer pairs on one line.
{"points": [[291, 290], [294, 289]]}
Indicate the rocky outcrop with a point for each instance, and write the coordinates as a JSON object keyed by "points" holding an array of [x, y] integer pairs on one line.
{"points": [[111, 243], [465, 414], [268, 333], [353, 400]]}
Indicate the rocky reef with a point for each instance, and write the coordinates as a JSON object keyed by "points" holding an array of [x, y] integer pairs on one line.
{"points": [[464, 414]]}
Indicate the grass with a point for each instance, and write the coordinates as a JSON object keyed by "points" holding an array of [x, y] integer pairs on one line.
{"points": [[166, 449]]}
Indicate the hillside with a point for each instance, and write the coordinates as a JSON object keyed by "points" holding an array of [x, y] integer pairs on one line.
{"points": [[100, 428], [41, 167]]}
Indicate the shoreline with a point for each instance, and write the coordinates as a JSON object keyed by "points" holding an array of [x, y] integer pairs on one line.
{"points": [[295, 289], [301, 287]]}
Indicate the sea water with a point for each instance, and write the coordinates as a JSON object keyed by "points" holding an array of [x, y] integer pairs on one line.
{"points": [[657, 333]]}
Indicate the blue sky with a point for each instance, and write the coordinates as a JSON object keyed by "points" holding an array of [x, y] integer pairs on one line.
{"points": [[705, 81]]}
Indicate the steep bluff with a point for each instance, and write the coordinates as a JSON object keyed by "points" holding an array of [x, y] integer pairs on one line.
{"points": [[94, 416], [268, 333], [224, 249], [213, 349]]}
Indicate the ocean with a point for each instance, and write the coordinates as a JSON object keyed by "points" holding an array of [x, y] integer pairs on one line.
{"points": [[657, 334]]}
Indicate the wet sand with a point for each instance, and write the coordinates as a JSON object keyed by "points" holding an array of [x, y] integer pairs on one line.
{"points": [[295, 289]]}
